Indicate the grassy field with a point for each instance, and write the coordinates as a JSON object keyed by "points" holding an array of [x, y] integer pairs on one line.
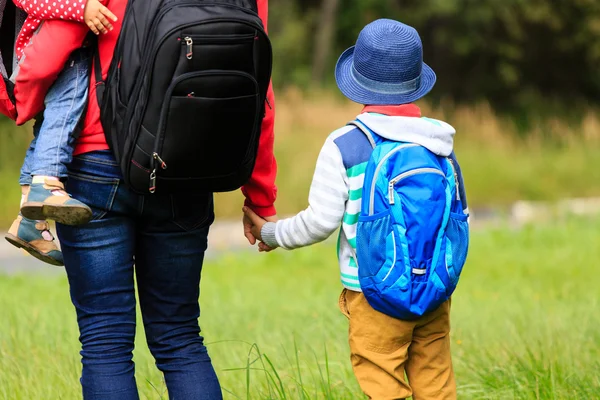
{"points": [[547, 160], [525, 324]]}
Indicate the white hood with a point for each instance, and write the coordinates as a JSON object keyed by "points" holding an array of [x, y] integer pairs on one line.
{"points": [[436, 136]]}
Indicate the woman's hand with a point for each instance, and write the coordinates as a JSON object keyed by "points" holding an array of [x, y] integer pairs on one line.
{"points": [[252, 228], [253, 223]]}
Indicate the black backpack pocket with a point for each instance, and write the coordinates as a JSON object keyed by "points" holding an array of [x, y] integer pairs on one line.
{"points": [[208, 132], [205, 52]]}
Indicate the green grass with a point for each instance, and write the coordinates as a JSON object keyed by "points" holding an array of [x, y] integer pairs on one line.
{"points": [[525, 324]]}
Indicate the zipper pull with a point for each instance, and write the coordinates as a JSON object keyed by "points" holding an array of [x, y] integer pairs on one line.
{"points": [[455, 178], [163, 164], [153, 181], [190, 50], [391, 193]]}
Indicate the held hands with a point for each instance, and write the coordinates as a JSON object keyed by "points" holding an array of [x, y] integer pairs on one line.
{"points": [[97, 17], [252, 228]]}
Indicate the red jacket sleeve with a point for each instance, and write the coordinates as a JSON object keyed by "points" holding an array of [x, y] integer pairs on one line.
{"points": [[42, 61], [260, 191], [71, 10]]}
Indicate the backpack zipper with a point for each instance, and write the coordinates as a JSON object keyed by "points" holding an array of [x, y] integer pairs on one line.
{"points": [[169, 7], [189, 42], [408, 174], [455, 178], [163, 165], [379, 166], [155, 155], [152, 188]]}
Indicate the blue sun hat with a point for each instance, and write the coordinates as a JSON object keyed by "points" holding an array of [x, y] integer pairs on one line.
{"points": [[385, 67]]}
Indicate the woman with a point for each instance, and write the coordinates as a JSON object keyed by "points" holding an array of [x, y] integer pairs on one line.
{"points": [[167, 237]]}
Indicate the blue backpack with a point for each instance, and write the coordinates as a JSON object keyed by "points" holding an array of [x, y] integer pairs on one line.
{"points": [[412, 233]]}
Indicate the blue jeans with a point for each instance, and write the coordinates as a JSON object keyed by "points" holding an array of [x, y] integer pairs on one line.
{"points": [[51, 149], [166, 236]]}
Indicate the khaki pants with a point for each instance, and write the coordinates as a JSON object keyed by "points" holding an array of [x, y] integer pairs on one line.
{"points": [[385, 351]]}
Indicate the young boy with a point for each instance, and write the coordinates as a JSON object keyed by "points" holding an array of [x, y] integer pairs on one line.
{"points": [[41, 50], [385, 72]]}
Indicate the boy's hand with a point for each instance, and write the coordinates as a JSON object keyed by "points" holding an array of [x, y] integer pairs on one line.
{"points": [[97, 17], [252, 225], [264, 248]]}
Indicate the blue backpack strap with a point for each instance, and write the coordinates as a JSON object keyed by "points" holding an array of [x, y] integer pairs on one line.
{"points": [[364, 129], [354, 147]]}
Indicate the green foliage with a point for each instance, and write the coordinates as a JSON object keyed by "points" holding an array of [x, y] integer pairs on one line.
{"points": [[524, 324], [13, 144], [507, 52]]}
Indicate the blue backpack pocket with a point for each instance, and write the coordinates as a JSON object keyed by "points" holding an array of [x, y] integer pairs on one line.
{"points": [[378, 242], [457, 245]]}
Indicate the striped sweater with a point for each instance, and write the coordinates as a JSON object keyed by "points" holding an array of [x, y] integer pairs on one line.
{"points": [[336, 190]]}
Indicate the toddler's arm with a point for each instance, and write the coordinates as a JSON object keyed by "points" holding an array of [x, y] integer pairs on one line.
{"points": [[91, 12], [327, 204], [71, 10]]}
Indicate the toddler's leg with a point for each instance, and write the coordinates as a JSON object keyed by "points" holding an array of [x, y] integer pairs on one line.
{"points": [[30, 235], [429, 366], [25, 177], [65, 105], [379, 348]]}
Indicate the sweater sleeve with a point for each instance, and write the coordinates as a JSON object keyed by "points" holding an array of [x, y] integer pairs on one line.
{"points": [[327, 203], [71, 10], [260, 191]]}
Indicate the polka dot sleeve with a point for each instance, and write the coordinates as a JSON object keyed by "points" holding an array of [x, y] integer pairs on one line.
{"points": [[38, 10], [53, 9]]}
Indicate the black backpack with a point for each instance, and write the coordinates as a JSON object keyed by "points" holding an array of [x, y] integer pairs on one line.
{"points": [[186, 93]]}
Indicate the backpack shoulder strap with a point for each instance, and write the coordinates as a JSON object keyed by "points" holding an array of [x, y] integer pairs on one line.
{"points": [[98, 76], [369, 133]]}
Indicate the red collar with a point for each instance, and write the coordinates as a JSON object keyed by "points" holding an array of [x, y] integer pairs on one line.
{"points": [[403, 110]]}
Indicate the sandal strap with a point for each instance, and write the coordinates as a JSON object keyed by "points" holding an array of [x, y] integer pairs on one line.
{"points": [[43, 227], [53, 184]]}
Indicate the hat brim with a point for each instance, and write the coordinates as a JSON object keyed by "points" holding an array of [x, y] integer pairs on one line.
{"points": [[363, 95]]}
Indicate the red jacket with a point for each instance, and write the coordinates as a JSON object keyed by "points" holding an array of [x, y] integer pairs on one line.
{"points": [[43, 60], [33, 80], [33, 83]]}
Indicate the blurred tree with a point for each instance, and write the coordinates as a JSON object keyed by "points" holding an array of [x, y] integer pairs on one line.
{"points": [[324, 39], [512, 53]]}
